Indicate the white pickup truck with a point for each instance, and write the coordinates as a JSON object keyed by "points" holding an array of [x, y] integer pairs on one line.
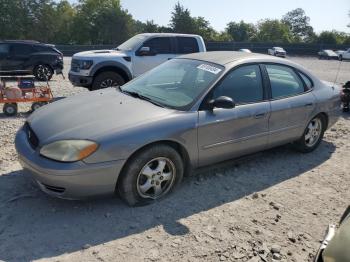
{"points": [[105, 68], [345, 55]]}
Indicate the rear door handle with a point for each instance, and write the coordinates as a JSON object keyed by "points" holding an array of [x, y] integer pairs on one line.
{"points": [[261, 115]]}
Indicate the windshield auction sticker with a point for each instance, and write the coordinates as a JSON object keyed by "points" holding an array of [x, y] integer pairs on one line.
{"points": [[209, 68]]}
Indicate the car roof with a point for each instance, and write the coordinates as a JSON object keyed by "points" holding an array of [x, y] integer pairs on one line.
{"points": [[20, 41], [224, 57], [168, 34]]}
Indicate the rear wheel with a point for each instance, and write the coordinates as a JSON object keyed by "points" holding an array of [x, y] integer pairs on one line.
{"points": [[312, 136], [37, 105], [107, 79], [150, 175], [43, 72], [10, 109]]}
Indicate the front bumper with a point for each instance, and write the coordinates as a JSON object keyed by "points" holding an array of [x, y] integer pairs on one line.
{"points": [[79, 80], [280, 54], [67, 180]]}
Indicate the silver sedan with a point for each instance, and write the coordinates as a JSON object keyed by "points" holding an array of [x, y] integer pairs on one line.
{"points": [[139, 140]]}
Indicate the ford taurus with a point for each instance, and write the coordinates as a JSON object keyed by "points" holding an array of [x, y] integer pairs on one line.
{"points": [[140, 139]]}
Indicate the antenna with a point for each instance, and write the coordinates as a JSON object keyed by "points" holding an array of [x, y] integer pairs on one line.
{"points": [[336, 77]]}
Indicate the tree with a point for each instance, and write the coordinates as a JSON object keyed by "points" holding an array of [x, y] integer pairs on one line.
{"points": [[182, 22], [241, 32], [102, 22], [327, 37], [273, 31], [299, 24]]}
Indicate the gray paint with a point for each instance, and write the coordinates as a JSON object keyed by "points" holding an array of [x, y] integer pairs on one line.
{"points": [[121, 125]]}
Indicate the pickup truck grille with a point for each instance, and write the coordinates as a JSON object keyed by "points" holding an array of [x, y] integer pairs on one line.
{"points": [[75, 65]]}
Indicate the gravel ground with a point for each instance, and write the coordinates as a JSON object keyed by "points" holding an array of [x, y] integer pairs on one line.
{"points": [[272, 205]]}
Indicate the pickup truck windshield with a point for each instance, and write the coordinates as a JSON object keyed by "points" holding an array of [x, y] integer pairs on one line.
{"points": [[176, 84], [132, 43]]}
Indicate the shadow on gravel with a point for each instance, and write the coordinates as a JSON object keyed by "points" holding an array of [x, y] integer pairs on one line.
{"points": [[35, 226]]}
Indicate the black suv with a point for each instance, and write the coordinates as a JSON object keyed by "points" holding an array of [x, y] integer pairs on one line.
{"points": [[30, 57]]}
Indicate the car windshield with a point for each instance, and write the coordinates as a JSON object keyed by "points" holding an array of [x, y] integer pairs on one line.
{"points": [[278, 48], [330, 52], [132, 43], [175, 84]]}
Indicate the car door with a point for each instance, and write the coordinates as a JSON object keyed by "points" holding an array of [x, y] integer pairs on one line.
{"points": [[19, 56], [228, 133], [4, 53], [292, 103], [161, 49]]}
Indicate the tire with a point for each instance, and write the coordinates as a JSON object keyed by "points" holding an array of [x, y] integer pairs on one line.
{"points": [[340, 58], [155, 168], [37, 105], [10, 109], [309, 142], [107, 79], [43, 72]]}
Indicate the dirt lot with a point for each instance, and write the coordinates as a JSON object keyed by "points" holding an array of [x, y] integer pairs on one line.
{"points": [[236, 211]]}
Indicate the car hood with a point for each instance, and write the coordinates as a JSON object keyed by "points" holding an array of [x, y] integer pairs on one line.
{"points": [[100, 53], [92, 115]]}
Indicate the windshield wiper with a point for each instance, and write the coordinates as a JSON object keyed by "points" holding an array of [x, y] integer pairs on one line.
{"points": [[142, 97]]}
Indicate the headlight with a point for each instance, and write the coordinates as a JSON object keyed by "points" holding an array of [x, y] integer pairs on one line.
{"points": [[85, 64], [69, 150]]}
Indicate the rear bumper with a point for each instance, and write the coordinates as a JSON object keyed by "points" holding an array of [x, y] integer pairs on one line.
{"points": [[78, 80], [76, 180]]}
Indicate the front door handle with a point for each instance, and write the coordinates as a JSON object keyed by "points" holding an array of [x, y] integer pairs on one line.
{"points": [[309, 104], [260, 115]]}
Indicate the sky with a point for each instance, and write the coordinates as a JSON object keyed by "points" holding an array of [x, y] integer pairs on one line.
{"points": [[324, 14]]}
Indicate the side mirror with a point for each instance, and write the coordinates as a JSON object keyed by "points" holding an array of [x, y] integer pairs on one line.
{"points": [[222, 102], [145, 51]]}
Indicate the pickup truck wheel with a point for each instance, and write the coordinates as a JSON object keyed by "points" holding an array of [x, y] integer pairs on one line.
{"points": [[10, 109], [43, 72], [107, 79]]}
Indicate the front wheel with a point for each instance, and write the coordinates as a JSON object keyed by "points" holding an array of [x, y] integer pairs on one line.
{"points": [[150, 175], [107, 79], [312, 136], [340, 58]]}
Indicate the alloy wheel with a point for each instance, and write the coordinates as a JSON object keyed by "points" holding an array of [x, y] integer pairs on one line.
{"points": [[108, 83], [156, 178], [313, 133]]}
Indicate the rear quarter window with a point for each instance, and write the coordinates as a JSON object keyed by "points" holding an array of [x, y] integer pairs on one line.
{"points": [[306, 80], [187, 45]]}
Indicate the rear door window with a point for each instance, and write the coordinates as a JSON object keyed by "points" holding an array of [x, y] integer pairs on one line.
{"points": [[284, 81], [187, 45], [160, 45], [21, 49]]}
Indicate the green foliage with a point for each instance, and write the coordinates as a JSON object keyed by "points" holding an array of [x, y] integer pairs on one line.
{"points": [[106, 22], [334, 37], [273, 31], [299, 25], [241, 32]]}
